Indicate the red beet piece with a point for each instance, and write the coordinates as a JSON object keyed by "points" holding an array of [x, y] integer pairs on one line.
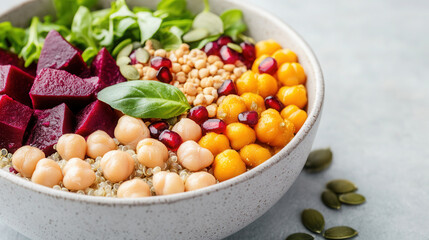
{"points": [[57, 53], [16, 84], [9, 58], [49, 126], [96, 116], [14, 118], [105, 68], [52, 87]]}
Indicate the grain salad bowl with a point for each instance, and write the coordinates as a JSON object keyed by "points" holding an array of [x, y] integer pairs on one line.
{"points": [[214, 212]]}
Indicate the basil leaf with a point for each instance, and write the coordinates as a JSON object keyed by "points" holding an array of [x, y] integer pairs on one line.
{"points": [[233, 23], [148, 25], [145, 99], [209, 21]]}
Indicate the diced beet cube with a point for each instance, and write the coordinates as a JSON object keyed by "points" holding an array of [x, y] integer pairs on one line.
{"points": [[14, 118], [9, 58], [57, 53], [16, 84], [49, 126], [96, 116], [104, 67], [53, 87]]}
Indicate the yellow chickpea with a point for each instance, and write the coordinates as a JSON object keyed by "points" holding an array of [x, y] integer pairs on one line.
{"points": [[25, 159], [152, 153], [78, 175], [188, 129], [47, 173], [240, 135], [290, 74], [254, 154], [135, 188], [194, 157], [117, 165], [295, 115], [215, 142], [266, 47], [254, 102], [272, 129], [99, 143], [267, 85], [248, 82], [166, 183], [294, 95], [129, 131], [71, 146], [257, 62], [228, 164], [199, 180], [284, 56], [230, 107]]}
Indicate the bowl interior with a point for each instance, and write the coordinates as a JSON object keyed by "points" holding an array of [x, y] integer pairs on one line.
{"points": [[261, 25]]}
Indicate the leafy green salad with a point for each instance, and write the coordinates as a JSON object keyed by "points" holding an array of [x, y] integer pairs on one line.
{"points": [[170, 25]]}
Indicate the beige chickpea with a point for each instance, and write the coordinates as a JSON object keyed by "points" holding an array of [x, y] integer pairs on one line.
{"points": [[209, 99], [129, 131], [190, 88], [212, 109], [135, 188], [47, 173], [176, 67], [99, 143], [167, 183], [78, 175], [71, 146], [229, 67], [194, 157], [199, 180], [200, 64], [152, 153], [117, 165], [188, 129], [25, 159], [202, 73]]}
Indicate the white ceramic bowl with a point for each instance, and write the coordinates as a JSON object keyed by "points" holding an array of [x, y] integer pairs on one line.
{"points": [[211, 213]]}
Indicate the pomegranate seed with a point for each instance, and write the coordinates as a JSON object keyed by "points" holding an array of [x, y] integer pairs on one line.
{"points": [[159, 62], [133, 58], [13, 170], [199, 114], [224, 40], [228, 55], [249, 117], [171, 140], [157, 128], [227, 87], [268, 65], [249, 52], [211, 48], [273, 102], [164, 75], [214, 125]]}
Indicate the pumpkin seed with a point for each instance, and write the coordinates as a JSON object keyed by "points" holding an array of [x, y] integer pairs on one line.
{"points": [[319, 160], [313, 220], [126, 51], [129, 72], [155, 44], [120, 46], [136, 45], [195, 35], [124, 60], [340, 232], [352, 198], [142, 55], [330, 199], [209, 21], [300, 236], [341, 186], [246, 38], [235, 47]]}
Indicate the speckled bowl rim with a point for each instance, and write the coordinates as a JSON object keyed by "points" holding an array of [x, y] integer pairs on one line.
{"points": [[314, 66]]}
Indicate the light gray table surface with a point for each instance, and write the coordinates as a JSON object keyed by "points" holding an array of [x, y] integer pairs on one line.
{"points": [[375, 58]]}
